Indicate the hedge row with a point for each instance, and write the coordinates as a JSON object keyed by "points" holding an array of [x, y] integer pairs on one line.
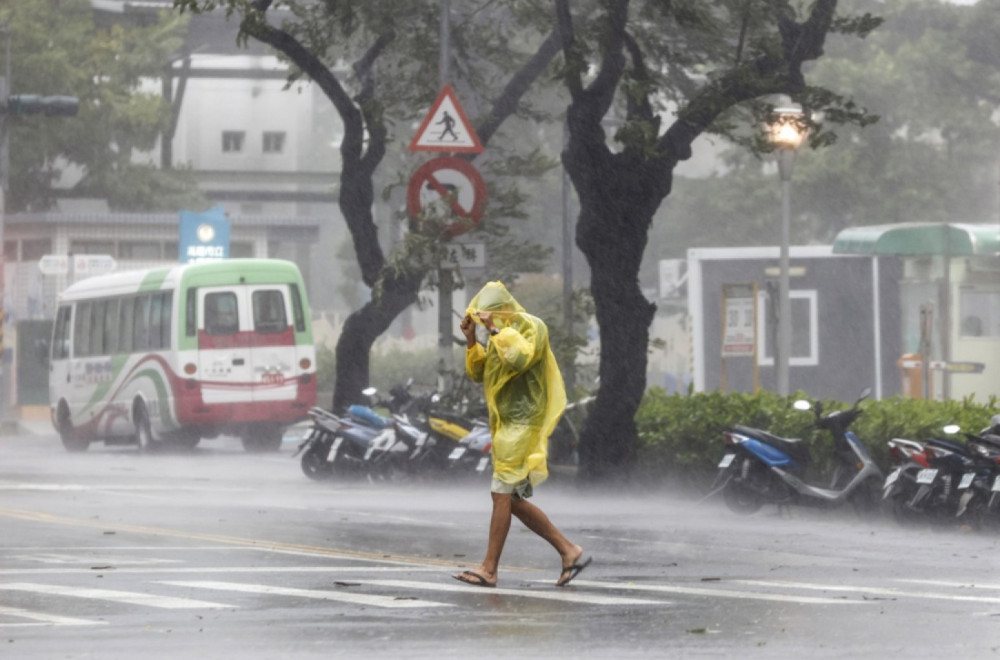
{"points": [[680, 435]]}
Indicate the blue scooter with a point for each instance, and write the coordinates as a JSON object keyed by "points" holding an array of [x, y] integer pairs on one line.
{"points": [[761, 468]]}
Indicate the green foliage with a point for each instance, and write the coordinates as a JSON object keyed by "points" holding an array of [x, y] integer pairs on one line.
{"points": [[57, 48], [680, 436]]}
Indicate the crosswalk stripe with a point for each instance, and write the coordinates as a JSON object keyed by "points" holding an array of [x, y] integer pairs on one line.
{"points": [[877, 591], [717, 593], [564, 596], [40, 619], [130, 597], [160, 570], [318, 594]]}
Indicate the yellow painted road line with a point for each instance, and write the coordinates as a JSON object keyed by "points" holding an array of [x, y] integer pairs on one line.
{"points": [[279, 546]]}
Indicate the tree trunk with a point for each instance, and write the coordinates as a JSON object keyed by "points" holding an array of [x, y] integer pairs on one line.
{"points": [[618, 195]]}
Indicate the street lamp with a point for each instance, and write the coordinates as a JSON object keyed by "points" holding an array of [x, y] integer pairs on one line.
{"points": [[786, 132]]}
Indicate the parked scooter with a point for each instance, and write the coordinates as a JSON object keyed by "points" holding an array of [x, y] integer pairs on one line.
{"points": [[343, 445], [760, 468], [901, 484]]}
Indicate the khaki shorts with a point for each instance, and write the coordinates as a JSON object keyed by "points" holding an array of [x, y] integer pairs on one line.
{"points": [[521, 490]]}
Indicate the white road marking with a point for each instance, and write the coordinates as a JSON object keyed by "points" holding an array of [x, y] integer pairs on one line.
{"points": [[564, 596], [875, 591], [317, 594], [956, 585], [219, 569], [56, 558], [130, 597], [711, 592], [39, 619]]}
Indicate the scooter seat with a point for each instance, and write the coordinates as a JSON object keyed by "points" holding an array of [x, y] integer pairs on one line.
{"points": [[794, 447], [950, 445]]}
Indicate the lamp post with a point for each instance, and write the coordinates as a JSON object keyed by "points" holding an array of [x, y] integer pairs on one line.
{"points": [[786, 133]]}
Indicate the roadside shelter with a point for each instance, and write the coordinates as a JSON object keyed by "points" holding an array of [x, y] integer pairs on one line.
{"points": [[949, 302]]}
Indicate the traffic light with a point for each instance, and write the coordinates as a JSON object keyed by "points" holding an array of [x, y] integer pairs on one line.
{"points": [[34, 104]]}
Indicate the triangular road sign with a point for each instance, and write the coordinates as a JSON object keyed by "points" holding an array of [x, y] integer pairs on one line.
{"points": [[446, 128]]}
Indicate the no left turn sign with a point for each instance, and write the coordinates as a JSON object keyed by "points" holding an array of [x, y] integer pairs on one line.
{"points": [[447, 186]]}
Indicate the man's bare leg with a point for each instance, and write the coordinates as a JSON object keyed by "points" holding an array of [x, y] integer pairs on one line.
{"points": [[499, 528], [536, 520]]}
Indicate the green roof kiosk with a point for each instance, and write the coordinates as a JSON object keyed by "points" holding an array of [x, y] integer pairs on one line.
{"points": [[951, 271]]}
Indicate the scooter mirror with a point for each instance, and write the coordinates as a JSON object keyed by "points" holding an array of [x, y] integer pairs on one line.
{"points": [[952, 428], [802, 404]]}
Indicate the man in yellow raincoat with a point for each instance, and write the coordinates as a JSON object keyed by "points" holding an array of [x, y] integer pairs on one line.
{"points": [[525, 397]]}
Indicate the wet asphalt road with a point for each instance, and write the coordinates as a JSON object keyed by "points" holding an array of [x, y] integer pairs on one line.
{"points": [[219, 554]]}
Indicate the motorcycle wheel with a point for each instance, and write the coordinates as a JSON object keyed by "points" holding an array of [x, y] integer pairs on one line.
{"points": [[314, 463], [903, 515], [741, 499]]}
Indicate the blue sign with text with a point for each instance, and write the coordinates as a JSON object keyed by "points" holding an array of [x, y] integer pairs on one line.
{"points": [[203, 236]]}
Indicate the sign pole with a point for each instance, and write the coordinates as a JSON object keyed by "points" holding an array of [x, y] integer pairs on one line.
{"points": [[445, 289]]}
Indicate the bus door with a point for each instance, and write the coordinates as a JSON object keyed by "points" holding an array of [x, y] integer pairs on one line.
{"points": [[274, 355], [224, 344]]}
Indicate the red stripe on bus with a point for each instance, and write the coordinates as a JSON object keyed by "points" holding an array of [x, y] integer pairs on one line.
{"points": [[246, 339]]}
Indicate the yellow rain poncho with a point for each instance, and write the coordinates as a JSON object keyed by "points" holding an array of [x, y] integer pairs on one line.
{"points": [[523, 387]]}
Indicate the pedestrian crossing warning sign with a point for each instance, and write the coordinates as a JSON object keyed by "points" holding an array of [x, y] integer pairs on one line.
{"points": [[446, 128]]}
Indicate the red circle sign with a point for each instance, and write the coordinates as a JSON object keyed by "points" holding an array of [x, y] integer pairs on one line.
{"points": [[454, 185]]}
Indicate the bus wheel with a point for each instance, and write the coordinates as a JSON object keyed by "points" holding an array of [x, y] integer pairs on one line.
{"points": [[70, 441], [143, 430], [262, 438]]}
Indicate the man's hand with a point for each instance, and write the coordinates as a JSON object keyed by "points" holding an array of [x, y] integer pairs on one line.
{"points": [[487, 319], [468, 327]]}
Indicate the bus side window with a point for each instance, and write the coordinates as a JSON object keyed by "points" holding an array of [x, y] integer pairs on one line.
{"points": [[190, 313], [111, 327], [60, 335], [221, 316], [155, 321], [97, 326], [81, 330], [126, 317], [140, 327], [166, 307], [269, 311], [297, 314]]}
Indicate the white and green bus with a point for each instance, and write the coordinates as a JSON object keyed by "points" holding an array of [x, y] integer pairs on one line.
{"points": [[176, 354]]}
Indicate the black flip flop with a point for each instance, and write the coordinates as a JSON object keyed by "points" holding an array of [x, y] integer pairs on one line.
{"points": [[572, 571], [474, 579]]}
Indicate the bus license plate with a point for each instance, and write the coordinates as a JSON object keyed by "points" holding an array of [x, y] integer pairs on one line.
{"points": [[926, 476], [966, 480], [332, 454], [727, 460]]}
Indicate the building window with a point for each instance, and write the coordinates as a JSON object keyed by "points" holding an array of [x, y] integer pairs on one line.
{"points": [[232, 141], [274, 142], [35, 248], [92, 247], [979, 314], [805, 329], [240, 250], [143, 250]]}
